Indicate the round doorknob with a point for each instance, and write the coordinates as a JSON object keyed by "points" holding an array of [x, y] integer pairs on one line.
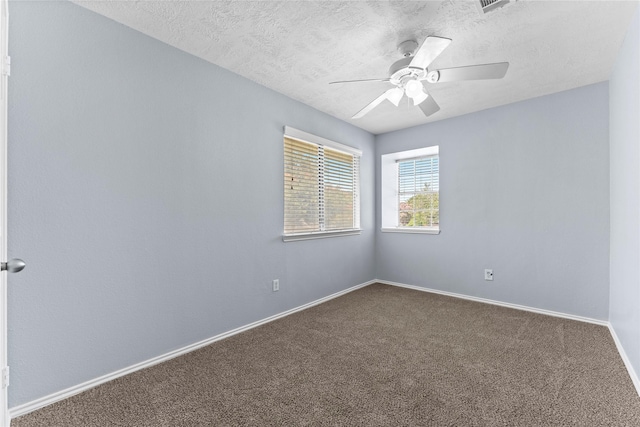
{"points": [[13, 266]]}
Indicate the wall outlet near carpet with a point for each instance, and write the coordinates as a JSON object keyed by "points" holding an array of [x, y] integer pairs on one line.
{"points": [[276, 285], [488, 274]]}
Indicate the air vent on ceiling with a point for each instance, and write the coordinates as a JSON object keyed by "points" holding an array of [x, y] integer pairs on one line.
{"points": [[489, 5]]}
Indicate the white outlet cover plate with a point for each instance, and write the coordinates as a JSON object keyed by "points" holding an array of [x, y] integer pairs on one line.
{"points": [[488, 274]]}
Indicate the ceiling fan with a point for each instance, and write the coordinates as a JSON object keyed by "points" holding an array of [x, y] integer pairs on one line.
{"points": [[408, 73]]}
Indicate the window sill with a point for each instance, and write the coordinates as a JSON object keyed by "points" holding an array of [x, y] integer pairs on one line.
{"points": [[410, 230], [319, 235]]}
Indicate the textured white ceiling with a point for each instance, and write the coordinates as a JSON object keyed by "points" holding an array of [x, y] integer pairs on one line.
{"points": [[298, 47]]}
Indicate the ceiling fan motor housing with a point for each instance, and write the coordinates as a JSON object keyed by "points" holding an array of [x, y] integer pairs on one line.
{"points": [[400, 72]]}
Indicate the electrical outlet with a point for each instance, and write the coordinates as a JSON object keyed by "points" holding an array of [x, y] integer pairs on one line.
{"points": [[488, 274], [276, 285]]}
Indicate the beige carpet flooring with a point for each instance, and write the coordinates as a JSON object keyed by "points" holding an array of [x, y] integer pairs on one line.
{"points": [[379, 356]]}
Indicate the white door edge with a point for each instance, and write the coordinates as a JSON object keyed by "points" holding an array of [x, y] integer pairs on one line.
{"points": [[4, 71]]}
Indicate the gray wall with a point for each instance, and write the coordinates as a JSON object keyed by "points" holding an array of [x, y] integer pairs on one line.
{"points": [[145, 194], [524, 190], [624, 96]]}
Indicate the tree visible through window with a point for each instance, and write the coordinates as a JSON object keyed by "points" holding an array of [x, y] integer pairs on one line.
{"points": [[418, 192]]}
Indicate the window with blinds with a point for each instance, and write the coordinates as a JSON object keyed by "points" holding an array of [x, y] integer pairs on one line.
{"points": [[321, 188], [301, 187], [418, 192], [339, 177]]}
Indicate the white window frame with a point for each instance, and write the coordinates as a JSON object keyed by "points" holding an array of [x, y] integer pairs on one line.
{"points": [[299, 135], [389, 190]]}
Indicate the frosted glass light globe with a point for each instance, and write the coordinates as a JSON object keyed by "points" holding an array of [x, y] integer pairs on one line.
{"points": [[413, 88]]}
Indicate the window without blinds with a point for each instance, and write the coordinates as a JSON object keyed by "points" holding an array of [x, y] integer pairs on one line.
{"points": [[320, 188], [418, 193]]}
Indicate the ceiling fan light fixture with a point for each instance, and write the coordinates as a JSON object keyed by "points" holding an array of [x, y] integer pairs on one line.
{"points": [[420, 98], [395, 95], [413, 88]]}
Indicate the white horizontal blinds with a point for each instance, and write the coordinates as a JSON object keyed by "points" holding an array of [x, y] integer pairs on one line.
{"points": [[418, 192], [339, 190], [321, 185], [356, 191], [301, 187]]}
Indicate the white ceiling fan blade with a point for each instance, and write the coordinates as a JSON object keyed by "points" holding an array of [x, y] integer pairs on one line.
{"points": [[430, 49], [474, 72], [391, 95], [358, 81], [373, 104], [429, 106]]}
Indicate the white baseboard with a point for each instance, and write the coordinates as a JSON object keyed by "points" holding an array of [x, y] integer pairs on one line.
{"points": [[500, 303], [625, 359], [25, 408]]}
